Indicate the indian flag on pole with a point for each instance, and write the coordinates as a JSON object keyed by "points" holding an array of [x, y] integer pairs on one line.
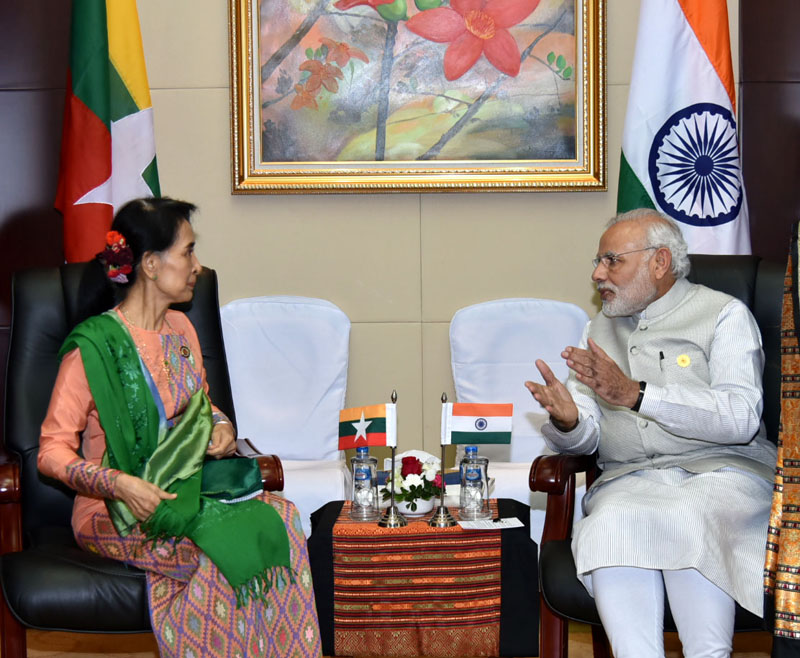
{"points": [[468, 423], [375, 425], [680, 151], [108, 154]]}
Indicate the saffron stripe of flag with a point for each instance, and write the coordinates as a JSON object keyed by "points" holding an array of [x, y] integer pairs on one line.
{"points": [[680, 149], [464, 423], [374, 425], [107, 143]]}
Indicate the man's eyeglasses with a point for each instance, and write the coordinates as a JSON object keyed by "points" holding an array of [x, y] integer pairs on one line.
{"points": [[611, 260]]}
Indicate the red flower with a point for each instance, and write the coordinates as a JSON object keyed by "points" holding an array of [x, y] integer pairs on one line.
{"points": [[115, 237], [304, 98], [340, 52], [437, 481], [322, 75], [344, 5], [411, 465], [473, 28]]}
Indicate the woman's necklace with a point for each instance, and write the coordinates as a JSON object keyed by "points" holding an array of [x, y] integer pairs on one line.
{"points": [[142, 346]]}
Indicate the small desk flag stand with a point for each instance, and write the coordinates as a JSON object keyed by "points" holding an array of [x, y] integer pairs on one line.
{"points": [[391, 517], [442, 518]]}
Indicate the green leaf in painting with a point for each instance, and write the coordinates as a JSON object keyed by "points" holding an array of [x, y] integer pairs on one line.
{"points": [[551, 57], [310, 53], [396, 11], [567, 73], [561, 62]]}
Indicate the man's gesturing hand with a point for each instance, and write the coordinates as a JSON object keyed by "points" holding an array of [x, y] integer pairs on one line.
{"points": [[601, 373], [555, 398]]}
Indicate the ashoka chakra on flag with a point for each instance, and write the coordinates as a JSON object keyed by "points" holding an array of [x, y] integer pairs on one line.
{"points": [[694, 166]]}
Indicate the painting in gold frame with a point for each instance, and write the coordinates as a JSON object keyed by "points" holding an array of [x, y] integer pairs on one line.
{"points": [[343, 96]]}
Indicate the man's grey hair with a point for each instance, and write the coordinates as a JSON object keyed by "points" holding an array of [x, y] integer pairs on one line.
{"points": [[664, 233]]}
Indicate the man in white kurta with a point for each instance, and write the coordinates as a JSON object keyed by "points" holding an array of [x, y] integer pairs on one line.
{"points": [[666, 387]]}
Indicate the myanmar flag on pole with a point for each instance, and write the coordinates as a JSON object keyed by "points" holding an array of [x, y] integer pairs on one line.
{"points": [[468, 423], [375, 425], [680, 151], [108, 154]]}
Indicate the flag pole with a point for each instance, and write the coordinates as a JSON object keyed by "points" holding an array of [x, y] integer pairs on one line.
{"points": [[442, 518], [391, 517]]}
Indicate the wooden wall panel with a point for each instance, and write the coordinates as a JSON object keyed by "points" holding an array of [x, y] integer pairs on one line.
{"points": [[771, 163], [34, 43], [769, 48], [770, 120]]}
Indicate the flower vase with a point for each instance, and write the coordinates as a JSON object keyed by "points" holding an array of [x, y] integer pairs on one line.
{"points": [[423, 507]]}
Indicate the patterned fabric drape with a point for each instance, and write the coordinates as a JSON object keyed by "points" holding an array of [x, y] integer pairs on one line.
{"points": [[782, 568]]}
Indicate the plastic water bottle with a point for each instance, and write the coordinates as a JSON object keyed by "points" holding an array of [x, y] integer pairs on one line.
{"points": [[365, 486], [473, 496]]}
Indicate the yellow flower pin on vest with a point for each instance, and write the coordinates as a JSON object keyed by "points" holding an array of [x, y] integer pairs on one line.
{"points": [[684, 361]]}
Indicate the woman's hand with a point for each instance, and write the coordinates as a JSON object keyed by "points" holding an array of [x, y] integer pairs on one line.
{"points": [[223, 441], [141, 497]]}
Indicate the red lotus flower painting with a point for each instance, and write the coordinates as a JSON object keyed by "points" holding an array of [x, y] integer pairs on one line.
{"points": [[474, 28], [418, 80]]}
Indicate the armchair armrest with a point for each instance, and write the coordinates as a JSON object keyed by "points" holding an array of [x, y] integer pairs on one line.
{"points": [[271, 472], [10, 503], [270, 465], [555, 476]]}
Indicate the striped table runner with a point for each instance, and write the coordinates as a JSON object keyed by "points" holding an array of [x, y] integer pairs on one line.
{"points": [[415, 591]]}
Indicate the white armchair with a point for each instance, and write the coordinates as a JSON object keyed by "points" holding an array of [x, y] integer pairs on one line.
{"points": [[493, 346], [287, 358]]}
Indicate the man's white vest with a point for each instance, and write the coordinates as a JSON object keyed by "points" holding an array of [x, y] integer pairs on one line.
{"points": [[671, 348]]}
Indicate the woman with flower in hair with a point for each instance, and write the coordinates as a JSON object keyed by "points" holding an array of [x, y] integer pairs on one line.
{"points": [[130, 427]]}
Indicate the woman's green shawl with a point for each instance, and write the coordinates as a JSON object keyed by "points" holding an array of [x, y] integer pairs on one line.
{"points": [[247, 541]]}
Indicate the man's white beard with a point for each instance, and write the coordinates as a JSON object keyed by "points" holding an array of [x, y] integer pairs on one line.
{"points": [[634, 298]]}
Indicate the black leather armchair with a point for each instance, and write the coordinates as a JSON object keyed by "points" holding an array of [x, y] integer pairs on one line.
{"points": [[759, 284], [48, 582]]}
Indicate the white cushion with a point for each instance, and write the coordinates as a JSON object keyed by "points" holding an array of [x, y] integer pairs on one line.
{"points": [[493, 347], [287, 359]]}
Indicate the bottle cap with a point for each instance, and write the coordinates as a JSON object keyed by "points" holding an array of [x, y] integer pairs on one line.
{"points": [[471, 449], [362, 450]]}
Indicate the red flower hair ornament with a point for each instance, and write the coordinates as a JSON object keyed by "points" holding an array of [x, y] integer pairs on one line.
{"points": [[117, 257], [474, 28]]}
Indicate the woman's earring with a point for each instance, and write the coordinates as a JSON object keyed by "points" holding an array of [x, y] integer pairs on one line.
{"points": [[154, 277]]}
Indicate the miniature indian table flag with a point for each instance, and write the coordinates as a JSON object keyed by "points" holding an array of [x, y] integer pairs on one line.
{"points": [[464, 422], [375, 425]]}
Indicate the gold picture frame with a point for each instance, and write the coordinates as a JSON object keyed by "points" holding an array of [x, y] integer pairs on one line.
{"points": [[388, 101]]}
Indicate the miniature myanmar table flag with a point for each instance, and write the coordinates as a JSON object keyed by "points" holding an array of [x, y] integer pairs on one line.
{"points": [[469, 423], [680, 150], [375, 425], [108, 154]]}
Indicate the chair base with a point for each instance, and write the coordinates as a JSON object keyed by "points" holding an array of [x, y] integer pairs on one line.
{"points": [[13, 641]]}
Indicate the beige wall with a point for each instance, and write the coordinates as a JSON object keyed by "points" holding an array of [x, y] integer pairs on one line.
{"points": [[399, 265]]}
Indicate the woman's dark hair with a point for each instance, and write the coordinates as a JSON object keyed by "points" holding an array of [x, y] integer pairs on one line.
{"points": [[150, 224]]}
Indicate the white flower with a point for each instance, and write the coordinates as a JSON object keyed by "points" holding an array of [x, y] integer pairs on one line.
{"points": [[412, 479], [429, 471]]}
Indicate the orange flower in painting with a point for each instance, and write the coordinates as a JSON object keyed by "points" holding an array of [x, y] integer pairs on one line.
{"points": [[344, 5], [474, 28], [304, 98], [322, 75], [340, 52]]}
